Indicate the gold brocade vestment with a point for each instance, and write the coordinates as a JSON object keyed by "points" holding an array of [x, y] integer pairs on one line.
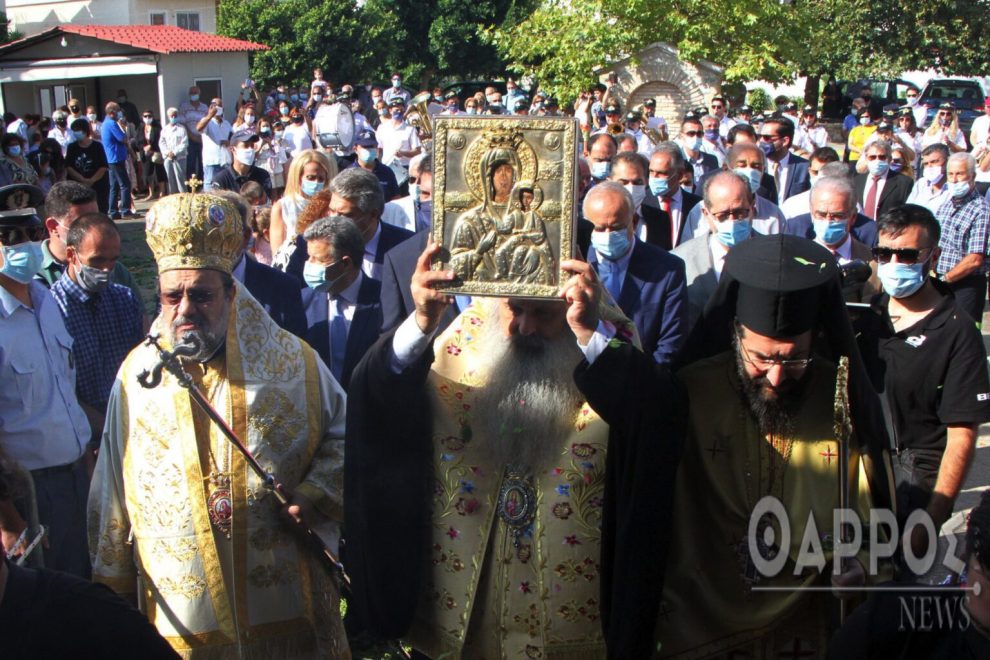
{"points": [[709, 606], [494, 590], [259, 593]]}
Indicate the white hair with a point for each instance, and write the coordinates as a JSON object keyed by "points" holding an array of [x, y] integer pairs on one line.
{"points": [[606, 188], [963, 157]]}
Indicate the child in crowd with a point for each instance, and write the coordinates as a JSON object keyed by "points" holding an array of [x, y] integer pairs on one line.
{"points": [[260, 246]]}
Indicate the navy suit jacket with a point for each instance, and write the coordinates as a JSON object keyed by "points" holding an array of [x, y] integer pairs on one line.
{"points": [[278, 293], [657, 220], [397, 273], [390, 237], [363, 332], [654, 297], [896, 190], [864, 230], [798, 178]]}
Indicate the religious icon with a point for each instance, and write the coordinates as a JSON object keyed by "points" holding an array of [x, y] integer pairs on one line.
{"points": [[504, 191]]}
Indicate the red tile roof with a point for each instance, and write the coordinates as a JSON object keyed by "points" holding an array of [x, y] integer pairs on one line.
{"points": [[162, 39]]}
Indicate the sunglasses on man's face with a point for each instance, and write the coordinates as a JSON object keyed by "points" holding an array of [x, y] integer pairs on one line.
{"points": [[904, 255]]}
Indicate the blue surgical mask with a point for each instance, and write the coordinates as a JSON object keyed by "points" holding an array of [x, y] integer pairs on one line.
{"points": [[14, 150], [396, 83], [752, 175], [281, 96], [22, 261], [877, 167], [367, 156], [732, 232], [830, 232], [692, 144], [611, 245], [194, 97], [896, 167], [711, 136], [901, 280], [294, 98], [958, 189], [767, 147], [600, 169], [120, 115], [424, 214], [659, 187], [310, 188], [397, 114], [173, 120], [315, 276]]}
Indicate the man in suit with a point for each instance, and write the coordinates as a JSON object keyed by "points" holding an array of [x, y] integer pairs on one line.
{"points": [[790, 172], [691, 138], [667, 205], [397, 273], [646, 281], [343, 306], [740, 134], [863, 229], [879, 189], [833, 212], [277, 292], [601, 149], [727, 207], [356, 193]]}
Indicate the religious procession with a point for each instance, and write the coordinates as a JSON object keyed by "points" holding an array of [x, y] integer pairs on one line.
{"points": [[370, 371]]}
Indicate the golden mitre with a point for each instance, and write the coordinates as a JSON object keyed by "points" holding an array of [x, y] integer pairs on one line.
{"points": [[193, 231]]}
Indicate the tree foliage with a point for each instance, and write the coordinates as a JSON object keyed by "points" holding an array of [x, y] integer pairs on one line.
{"points": [[564, 41]]}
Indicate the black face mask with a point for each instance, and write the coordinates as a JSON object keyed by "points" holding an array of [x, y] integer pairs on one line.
{"points": [[74, 109], [297, 120]]}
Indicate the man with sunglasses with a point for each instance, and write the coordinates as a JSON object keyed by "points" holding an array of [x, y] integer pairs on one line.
{"points": [[692, 140], [790, 171], [879, 189], [42, 426], [924, 353], [720, 112]]}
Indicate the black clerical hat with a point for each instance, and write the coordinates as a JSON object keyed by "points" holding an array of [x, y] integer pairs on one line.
{"points": [[781, 283]]}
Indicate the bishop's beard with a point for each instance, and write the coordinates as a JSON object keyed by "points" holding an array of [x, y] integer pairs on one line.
{"points": [[528, 406]]}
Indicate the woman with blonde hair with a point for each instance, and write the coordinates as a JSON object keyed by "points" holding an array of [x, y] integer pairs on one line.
{"points": [[945, 130], [309, 173]]}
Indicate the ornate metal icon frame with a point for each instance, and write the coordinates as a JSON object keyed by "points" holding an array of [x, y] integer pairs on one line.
{"points": [[505, 246]]}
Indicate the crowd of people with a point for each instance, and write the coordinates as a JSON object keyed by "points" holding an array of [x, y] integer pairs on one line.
{"points": [[570, 477]]}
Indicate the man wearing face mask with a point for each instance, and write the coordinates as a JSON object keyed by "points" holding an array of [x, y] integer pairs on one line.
{"points": [[666, 207], [105, 320], [965, 222], [343, 306], [366, 150], [601, 150], [727, 206], [396, 91], [790, 172], [191, 111], [748, 161], [451, 104], [644, 280], [931, 190], [242, 169], [711, 142], [923, 352], [115, 146], [42, 427], [397, 140], [215, 132], [879, 189], [130, 110], [833, 213], [60, 131], [690, 139]]}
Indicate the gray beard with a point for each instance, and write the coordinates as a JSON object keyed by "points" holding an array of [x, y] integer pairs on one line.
{"points": [[209, 340], [527, 409]]}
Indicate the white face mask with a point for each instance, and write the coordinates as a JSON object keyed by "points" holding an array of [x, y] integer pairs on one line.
{"points": [[244, 156], [638, 193]]}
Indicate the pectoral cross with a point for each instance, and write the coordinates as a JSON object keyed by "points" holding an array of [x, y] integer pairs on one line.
{"points": [[194, 184]]}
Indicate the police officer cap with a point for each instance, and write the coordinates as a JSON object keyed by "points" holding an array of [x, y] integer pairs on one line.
{"points": [[520, 104], [366, 139], [450, 95], [632, 115], [700, 111], [808, 110], [650, 103], [905, 111], [612, 109], [397, 102], [884, 126], [948, 105], [18, 206], [745, 110], [782, 282], [692, 115]]}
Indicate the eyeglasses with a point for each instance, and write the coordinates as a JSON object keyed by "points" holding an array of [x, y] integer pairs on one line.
{"points": [[198, 297], [694, 133], [896, 161], [831, 217], [731, 214], [876, 157], [717, 107], [764, 364], [945, 113], [904, 255], [769, 138]]}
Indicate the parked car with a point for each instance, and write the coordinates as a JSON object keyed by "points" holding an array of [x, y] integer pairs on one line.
{"points": [[967, 95]]}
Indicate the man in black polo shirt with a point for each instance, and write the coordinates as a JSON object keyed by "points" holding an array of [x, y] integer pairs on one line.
{"points": [[927, 359], [242, 169]]}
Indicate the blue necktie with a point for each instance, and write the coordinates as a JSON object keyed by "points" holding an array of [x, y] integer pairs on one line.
{"points": [[338, 337], [609, 272]]}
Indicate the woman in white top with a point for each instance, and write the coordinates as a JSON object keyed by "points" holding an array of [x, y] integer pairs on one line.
{"points": [[909, 134], [297, 133], [272, 156], [945, 130], [246, 121], [309, 173]]}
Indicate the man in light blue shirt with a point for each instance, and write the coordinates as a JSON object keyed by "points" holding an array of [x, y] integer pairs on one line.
{"points": [[42, 427]]}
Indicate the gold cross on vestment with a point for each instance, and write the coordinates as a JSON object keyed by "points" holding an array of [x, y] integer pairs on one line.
{"points": [[194, 184]]}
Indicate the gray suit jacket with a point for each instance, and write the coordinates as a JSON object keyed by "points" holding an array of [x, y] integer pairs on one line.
{"points": [[699, 270]]}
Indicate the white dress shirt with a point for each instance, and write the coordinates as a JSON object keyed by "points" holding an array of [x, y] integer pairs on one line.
{"points": [[368, 265]]}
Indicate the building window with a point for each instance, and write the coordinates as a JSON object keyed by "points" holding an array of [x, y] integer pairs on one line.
{"points": [[188, 20], [158, 18], [209, 89]]}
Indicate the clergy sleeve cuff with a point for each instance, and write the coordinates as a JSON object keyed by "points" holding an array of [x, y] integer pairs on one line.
{"points": [[408, 344], [320, 500], [598, 342]]}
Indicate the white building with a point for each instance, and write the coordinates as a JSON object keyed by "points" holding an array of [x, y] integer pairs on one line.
{"points": [[155, 64], [32, 16]]}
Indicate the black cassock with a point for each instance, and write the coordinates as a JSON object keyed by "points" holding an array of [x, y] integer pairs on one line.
{"points": [[388, 472]]}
